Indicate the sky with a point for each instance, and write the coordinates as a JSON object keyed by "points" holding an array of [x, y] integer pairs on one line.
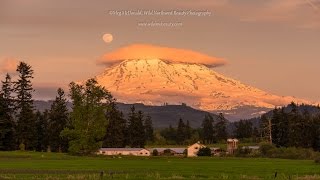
{"points": [[273, 45]]}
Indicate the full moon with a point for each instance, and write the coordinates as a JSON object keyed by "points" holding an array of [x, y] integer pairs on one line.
{"points": [[107, 38]]}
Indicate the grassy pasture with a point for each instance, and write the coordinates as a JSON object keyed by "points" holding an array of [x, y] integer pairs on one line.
{"points": [[35, 165]]}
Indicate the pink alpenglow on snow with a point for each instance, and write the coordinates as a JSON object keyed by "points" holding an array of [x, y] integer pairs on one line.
{"points": [[174, 55]]}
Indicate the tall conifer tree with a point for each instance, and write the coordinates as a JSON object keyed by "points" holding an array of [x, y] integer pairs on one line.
{"points": [[136, 132], [58, 120], [149, 129], [181, 132], [26, 132], [208, 129], [116, 128], [221, 128], [7, 124]]}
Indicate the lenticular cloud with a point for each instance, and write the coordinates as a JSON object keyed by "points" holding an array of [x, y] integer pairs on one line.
{"points": [[174, 55]]}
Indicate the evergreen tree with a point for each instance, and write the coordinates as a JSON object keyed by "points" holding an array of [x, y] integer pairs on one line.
{"points": [[42, 130], [140, 124], [243, 129], [308, 132], [7, 124], [88, 121], [264, 128], [26, 132], [208, 129], [116, 128], [170, 134], [295, 126], [149, 129], [255, 134], [221, 128], [7, 93], [181, 135], [280, 124], [58, 120], [188, 131], [316, 131], [136, 132]]}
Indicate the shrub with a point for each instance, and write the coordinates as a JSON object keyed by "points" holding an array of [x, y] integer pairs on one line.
{"points": [[205, 151], [265, 148], [22, 147], [167, 152], [185, 152], [155, 152], [242, 152], [292, 153]]}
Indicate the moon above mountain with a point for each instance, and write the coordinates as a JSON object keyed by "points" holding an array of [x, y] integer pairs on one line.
{"points": [[107, 38]]}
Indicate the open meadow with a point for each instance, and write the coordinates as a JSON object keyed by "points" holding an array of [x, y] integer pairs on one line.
{"points": [[35, 165]]}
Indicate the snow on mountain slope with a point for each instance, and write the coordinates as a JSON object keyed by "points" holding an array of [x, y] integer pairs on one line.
{"points": [[156, 81]]}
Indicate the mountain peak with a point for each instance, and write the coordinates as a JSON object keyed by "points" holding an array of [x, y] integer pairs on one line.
{"points": [[155, 82]]}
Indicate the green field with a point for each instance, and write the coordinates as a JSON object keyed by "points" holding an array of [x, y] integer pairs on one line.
{"points": [[35, 165]]}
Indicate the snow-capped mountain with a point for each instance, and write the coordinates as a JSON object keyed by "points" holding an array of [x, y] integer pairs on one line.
{"points": [[157, 82]]}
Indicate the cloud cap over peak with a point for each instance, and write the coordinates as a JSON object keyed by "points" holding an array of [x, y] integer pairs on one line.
{"points": [[147, 51]]}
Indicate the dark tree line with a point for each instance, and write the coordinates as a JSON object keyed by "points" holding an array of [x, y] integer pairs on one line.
{"points": [[7, 110], [179, 135], [94, 120], [293, 128], [245, 129], [23, 128], [211, 131], [133, 132], [214, 130]]}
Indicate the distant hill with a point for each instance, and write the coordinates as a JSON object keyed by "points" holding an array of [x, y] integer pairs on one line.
{"points": [[162, 116], [43, 105]]}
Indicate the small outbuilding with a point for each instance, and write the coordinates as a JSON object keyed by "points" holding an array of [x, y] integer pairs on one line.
{"points": [[232, 145]]}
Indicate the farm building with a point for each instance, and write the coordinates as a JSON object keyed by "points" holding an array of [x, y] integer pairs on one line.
{"points": [[232, 145], [124, 151], [194, 149], [191, 151]]}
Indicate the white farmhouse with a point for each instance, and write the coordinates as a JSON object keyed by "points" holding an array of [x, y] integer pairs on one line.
{"points": [[194, 149], [124, 151]]}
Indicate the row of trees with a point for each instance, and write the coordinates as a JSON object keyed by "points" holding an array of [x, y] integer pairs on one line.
{"points": [[244, 129], [292, 128], [94, 120], [134, 132], [211, 131], [23, 128]]}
